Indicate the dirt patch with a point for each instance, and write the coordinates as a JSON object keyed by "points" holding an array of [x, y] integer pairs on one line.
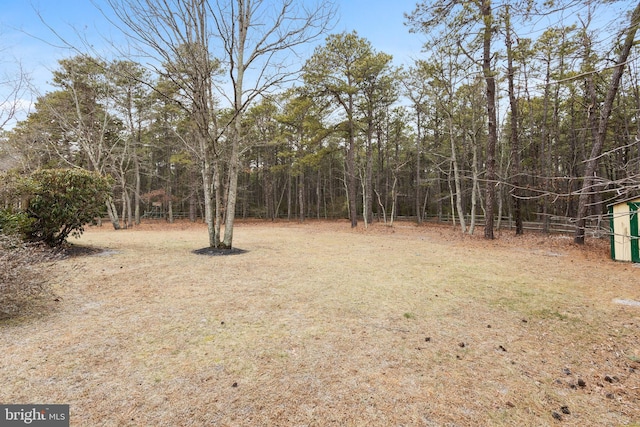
{"points": [[321, 324]]}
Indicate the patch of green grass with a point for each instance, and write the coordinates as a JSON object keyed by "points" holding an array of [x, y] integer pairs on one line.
{"points": [[408, 315], [546, 313]]}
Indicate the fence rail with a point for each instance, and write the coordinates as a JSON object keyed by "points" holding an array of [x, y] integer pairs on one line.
{"points": [[164, 215], [595, 226]]}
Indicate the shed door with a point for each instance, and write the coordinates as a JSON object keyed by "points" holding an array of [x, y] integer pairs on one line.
{"points": [[634, 231]]}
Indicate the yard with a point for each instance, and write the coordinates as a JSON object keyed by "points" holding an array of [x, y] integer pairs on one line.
{"points": [[317, 324]]}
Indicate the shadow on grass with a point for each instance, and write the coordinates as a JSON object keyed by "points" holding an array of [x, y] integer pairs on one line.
{"points": [[73, 251]]}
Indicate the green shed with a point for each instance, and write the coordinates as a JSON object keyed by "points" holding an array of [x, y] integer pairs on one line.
{"points": [[624, 230]]}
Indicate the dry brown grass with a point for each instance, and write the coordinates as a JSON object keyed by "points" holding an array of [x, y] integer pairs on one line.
{"points": [[318, 324]]}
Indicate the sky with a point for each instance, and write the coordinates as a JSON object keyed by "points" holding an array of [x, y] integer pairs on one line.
{"points": [[25, 36], [27, 32]]}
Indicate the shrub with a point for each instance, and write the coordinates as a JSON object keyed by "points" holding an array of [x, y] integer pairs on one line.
{"points": [[14, 195], [15, 223], [63, 202]]}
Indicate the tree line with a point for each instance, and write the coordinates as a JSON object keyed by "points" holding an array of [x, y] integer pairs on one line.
{"points": [[493, 120]]}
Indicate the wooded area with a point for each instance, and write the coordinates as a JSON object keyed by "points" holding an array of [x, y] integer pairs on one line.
{"points": [[495, 120]]}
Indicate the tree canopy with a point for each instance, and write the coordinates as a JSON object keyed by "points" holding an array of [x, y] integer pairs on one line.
{"points": [[493, 122]]}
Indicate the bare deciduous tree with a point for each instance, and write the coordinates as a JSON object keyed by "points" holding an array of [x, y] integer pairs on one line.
{"points": [[257, 37], [255, 43], [13, 86]]}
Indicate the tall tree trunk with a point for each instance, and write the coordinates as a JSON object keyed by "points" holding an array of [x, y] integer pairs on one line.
{"points": [[368, 187], [267, 179], [544, 148], [418, 166], [123, 212], [475, 186], [456, 178], [289, 196], [237, 45], [301, 203], [113, 214], [193, 204], [352, 188], [515, 143], [207, 187], [451, 196], [439, 190], [394, 199], [129, 211], [136, 163], [170, 200], [218, 191], [599, 133], [492, 137], [232, 192], [319, 194]]}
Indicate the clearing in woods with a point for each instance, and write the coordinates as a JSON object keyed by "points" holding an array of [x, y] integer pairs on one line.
{"points": [[318, 324]]}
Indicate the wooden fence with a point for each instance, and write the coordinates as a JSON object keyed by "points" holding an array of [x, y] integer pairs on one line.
{"points": [[595, 227]]}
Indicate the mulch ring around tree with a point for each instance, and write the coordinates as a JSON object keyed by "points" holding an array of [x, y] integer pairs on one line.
{"points": [[210, 251]]}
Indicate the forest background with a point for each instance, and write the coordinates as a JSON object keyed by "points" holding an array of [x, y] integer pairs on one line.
{"points": [[270, 109]]}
